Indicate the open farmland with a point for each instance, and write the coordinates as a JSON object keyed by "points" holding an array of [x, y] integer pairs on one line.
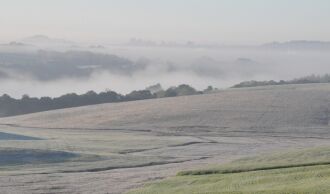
{"points": [[112, 148], [305, 171]]}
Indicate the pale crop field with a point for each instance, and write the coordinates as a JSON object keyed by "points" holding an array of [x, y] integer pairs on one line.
{"points": [[113, 148]]}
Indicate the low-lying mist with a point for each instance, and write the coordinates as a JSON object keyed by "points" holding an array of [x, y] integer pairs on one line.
{"points": [[53, 71]]}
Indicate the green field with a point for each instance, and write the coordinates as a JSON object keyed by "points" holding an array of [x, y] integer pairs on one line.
{"points": [[305, 171]]}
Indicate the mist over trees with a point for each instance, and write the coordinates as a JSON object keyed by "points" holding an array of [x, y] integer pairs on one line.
{"points": [[43, 66], [10, 106]]}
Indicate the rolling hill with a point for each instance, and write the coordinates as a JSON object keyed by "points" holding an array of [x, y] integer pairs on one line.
{"points": [[112, 148]]}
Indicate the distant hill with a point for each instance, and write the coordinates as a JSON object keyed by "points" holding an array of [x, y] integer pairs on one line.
{"points": [[51, 65], [299, 45], [45, 40]]}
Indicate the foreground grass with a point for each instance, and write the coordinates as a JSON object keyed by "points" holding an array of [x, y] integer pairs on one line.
{"points": [[290, 173], [308, 157]]}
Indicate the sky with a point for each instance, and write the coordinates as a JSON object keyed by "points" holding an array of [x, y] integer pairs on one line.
{"points": [[223, 21]]}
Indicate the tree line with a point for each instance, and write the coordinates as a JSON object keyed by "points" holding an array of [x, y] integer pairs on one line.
{"points": [[10, 106], [303, 80]]}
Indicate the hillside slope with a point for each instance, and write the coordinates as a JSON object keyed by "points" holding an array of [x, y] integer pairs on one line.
{"points": [[111, 148], [261, 108]]}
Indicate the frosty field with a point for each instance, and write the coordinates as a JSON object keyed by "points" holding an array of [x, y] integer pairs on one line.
{"points": [[113, 148]]}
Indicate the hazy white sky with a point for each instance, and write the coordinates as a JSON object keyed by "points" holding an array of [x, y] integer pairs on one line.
{"points": [[226, 21]]}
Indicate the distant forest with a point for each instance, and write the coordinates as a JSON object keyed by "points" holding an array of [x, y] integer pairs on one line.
{"points": [[303, 80], [10, 106]]}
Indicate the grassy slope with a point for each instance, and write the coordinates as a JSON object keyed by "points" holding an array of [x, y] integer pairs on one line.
{"points": [[313, 176], [308, 157]]}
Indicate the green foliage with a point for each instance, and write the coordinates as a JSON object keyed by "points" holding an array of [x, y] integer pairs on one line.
{"points": [[181, 90], [139, 95]]}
